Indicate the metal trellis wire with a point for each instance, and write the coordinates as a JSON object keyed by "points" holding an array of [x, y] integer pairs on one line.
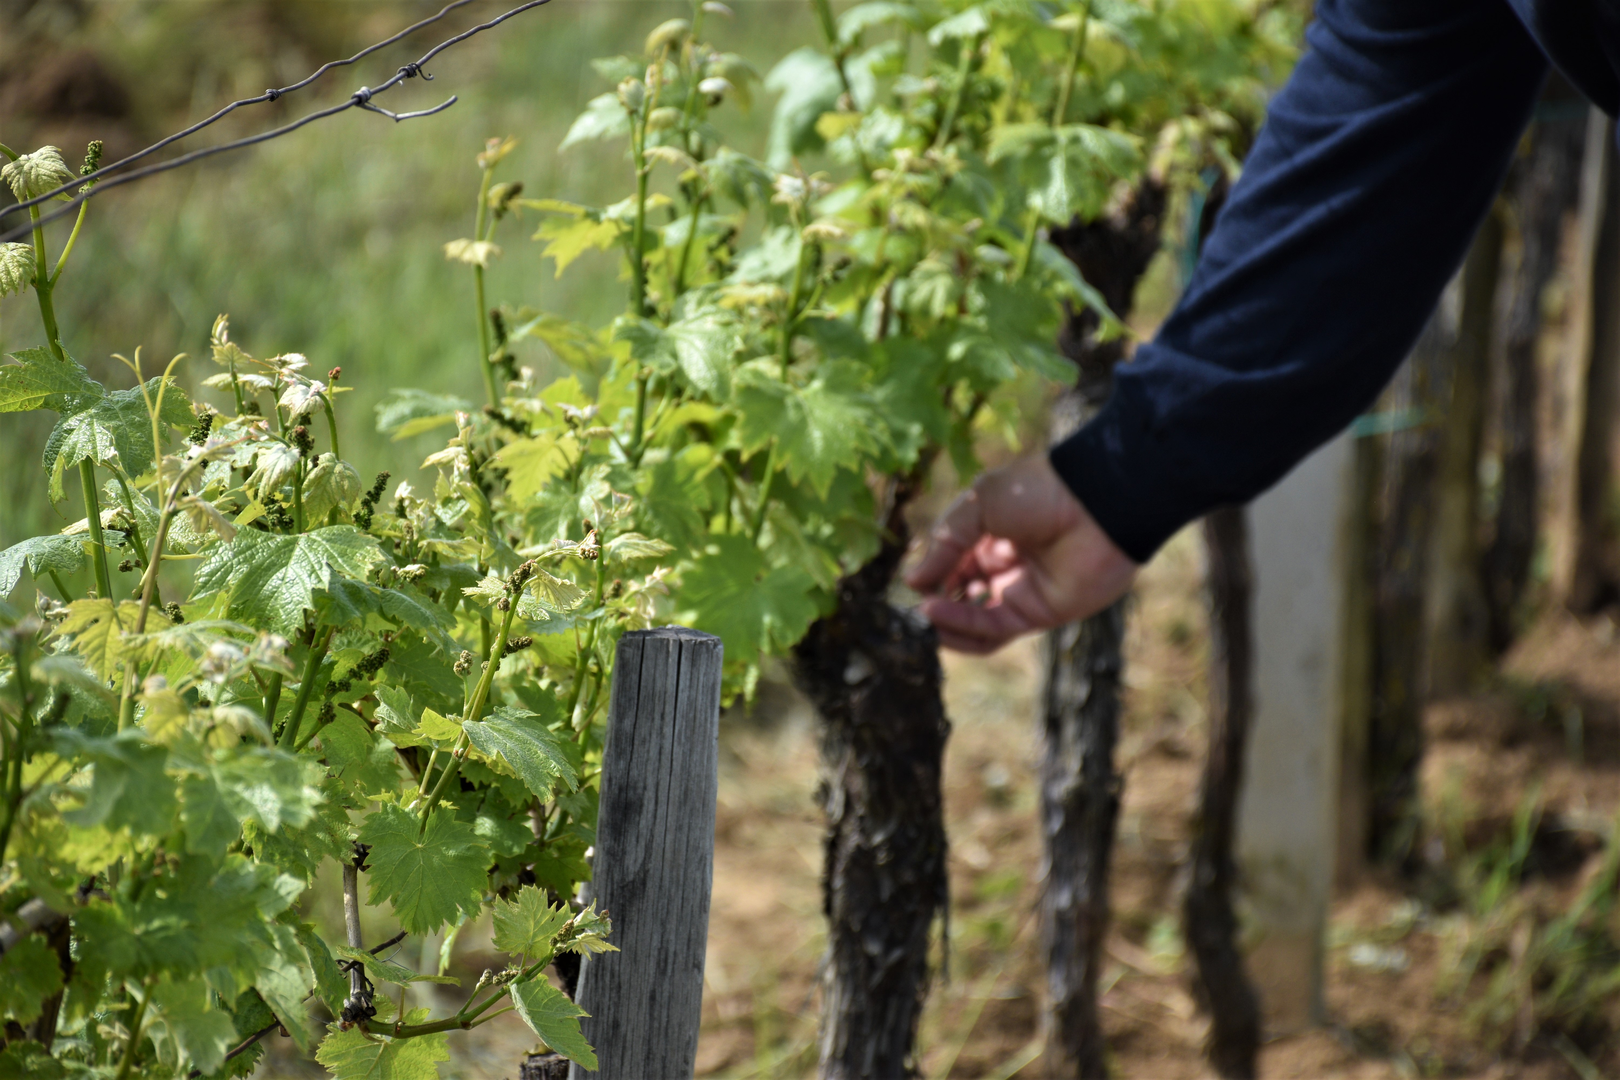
{"points": [[92, 184]]}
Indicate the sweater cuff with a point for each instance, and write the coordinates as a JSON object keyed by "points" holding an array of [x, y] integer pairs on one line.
{"points": [[1128, 479]]}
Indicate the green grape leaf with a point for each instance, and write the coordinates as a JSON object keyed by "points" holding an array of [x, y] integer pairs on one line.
{"points": [[129, 786], [260, 785], [24, 1060], [38, 380], [283, 978], [270, 578], [526, 925], [396, 716], [528, 747], [826, 426], [32, 175], [344, 601], [40, 554], [862, 17], [116, 430], [430, 879], [730, 591], [573, 344], [97, 632], [809, 83], [187, 1030], [407, 411], [604, 118], [29, 973], [354, 1055], [700, 346], [672, 496], [554, 1018], [16, 268]]}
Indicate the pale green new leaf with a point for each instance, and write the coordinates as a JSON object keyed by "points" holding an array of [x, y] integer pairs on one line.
{"points": [[40, 554], [529, 748], [525, 926], [546, 596], [408, 411], [353, 1055], [32, 175], [809, 83], [569, 238], [554, 1018], [38, 380], [604, 118], [330, 485], [430, 879], [16, 268], [270, 579], [436, 727], [628, 546]]}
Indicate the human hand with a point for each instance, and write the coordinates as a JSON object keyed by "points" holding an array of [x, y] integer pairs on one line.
{"points": [[1015, 554]]}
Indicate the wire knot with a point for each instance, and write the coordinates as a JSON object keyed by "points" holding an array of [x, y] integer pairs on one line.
{"points": [[363, 95], [413, 69], [272, 94]]}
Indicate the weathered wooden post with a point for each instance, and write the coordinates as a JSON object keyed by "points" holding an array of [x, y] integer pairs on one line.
{"points": [[1300, 543], [655, 855]]}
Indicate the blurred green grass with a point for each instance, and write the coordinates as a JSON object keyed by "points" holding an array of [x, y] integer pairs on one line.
{"points": [[328, 241]]}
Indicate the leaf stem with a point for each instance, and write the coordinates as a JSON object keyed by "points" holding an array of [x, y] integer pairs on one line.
{"points": [[73, 238], [134, 522], [474, 709], [639, 430], [331, 425], [134, 1043], [765, 482], [272, 698], [954, 106], [638, 232], [1027, 259], [92, 517], [1076, 52], [312, 668], [490, 386]]}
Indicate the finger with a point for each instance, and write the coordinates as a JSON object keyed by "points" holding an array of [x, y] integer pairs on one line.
{"points": [[971, 646], [998, 624], [948, 541], [989, 557]]}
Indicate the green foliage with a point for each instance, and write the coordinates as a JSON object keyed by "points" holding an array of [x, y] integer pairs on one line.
{"points": [[280, 659], [552, 1016]]}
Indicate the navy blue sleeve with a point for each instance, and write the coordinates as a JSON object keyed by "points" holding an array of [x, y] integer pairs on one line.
{"points": [[1374, 168]]}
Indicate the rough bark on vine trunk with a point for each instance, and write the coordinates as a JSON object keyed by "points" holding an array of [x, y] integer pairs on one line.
{"points": [[872, 672], [1592, 578], [1079, 722], [1542, 190], [1211, 924], [1458, 653], [1395, 726]]}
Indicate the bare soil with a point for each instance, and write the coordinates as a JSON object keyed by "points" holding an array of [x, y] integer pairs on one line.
{"points": [[1546, 736]]}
